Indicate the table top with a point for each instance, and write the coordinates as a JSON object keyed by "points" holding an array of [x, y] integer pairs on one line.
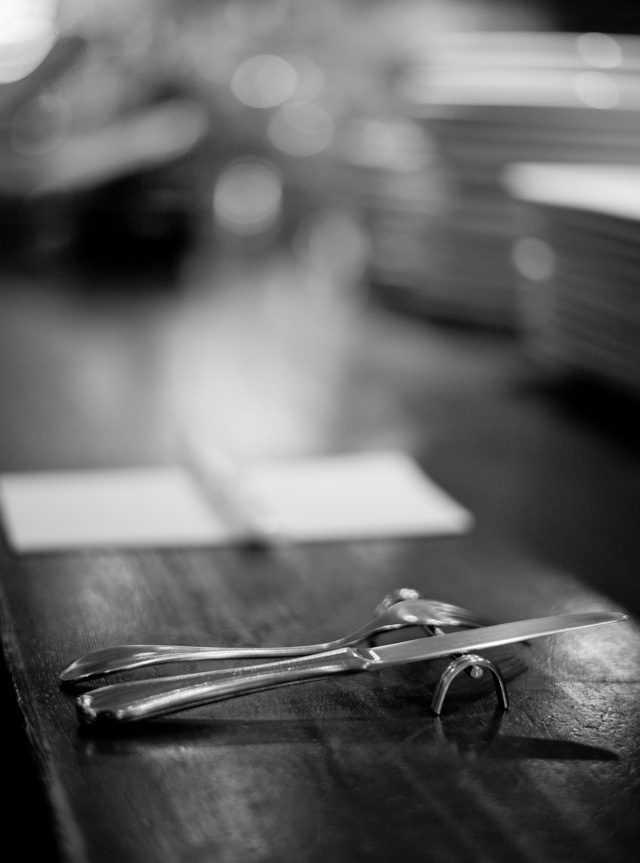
{"points": [[350, 769]]}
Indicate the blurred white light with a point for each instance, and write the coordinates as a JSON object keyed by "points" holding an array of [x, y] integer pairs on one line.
{"points": [[597, 90], [247, 197], [599, 49], [301, 129], [264, 81], [311, 78], [28, 31], [533, 258]]}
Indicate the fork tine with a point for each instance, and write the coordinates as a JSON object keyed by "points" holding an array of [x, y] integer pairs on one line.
{"points": [[456, 614]]}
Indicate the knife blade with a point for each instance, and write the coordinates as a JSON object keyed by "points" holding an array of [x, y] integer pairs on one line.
{"points": [[487, 636], [145, 699]]}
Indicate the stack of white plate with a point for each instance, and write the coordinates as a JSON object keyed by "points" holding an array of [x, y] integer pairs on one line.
{"points": [[391, 175], [578, 262], [485, 100]]}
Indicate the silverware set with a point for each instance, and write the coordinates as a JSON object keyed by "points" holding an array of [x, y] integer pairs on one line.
{"points": [[403, 608], [356, 652]]}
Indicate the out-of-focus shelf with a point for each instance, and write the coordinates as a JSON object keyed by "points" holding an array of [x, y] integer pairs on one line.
{"points": [[483, 101]]}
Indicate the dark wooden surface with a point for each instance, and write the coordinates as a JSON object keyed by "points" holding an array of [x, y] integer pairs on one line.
{"points": [[96, 375]]}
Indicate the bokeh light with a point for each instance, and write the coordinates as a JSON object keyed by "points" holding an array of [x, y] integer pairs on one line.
{"points": [[264, 81], [533, 258], [301, 129], [247, 198], [28, 30], [597, 90], [311, 78], [599, 49]]}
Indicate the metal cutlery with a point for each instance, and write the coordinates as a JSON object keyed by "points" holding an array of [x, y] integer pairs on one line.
{"points": [[402, 608], [144, 699]]}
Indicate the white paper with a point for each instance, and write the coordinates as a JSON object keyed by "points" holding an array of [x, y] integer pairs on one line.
{"points": [[362, 495], [367, 495]]}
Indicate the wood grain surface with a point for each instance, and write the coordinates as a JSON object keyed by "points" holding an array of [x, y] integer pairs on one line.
{"points": [[356, 769]]}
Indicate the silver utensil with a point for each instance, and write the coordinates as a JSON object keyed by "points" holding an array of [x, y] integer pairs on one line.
{"points": [[143, 699], [401, 608]]}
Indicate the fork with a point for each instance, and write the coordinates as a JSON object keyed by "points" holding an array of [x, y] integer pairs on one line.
{"points": [[401, 608]]}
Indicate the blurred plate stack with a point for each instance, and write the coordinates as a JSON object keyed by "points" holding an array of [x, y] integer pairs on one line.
{"points": [[578, 261], [391, 175], [485, 100]]}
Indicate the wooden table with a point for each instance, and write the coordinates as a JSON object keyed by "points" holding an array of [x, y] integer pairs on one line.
{"points": [[358, 769]]}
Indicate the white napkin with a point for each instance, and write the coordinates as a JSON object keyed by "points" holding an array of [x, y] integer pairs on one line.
{"points": [[323, 498]]}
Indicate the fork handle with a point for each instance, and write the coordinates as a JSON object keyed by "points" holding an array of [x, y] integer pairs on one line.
{"points": [[126, 657], [145, 699]]}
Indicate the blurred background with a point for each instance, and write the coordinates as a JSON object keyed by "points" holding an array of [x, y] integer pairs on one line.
{"points": [[295, 226], [371, 140], [277, 165]]}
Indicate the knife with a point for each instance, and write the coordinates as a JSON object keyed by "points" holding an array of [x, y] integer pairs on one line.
{"points": [[144, 699]]}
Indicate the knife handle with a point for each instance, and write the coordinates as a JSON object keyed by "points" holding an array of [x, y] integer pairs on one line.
{"points": [[145, 699]]}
